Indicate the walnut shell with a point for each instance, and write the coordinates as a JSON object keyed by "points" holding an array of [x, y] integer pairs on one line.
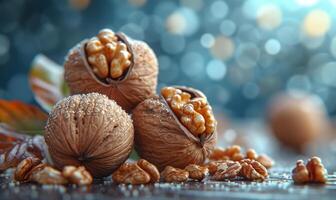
{"points": [[161, 139], [138, 84], [89, 130], [297, 120]]}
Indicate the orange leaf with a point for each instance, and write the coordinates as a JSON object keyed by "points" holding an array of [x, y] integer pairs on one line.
{"points": [[22, 118]]}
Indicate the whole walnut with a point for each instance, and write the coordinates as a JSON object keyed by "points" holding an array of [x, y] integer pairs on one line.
{"points": [[113, 64], [165, 135], [297, 119], [89, 130]]}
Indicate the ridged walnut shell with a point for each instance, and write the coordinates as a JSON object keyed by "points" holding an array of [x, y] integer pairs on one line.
{"points": [[161, 139], [138, 84], [297, 120], [89, 130]]}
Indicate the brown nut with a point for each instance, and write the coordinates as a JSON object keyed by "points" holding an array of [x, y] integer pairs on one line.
{"points": [[174, 175], [297, 120], [47, 175], [77, 175], [23, 170], [227, 170], [197, 172], [252, 170], [150, 169], [229, 153], [265, 160], [113, 64], [300, 173], [218, 153], [89, 130], [317, 172], [160, 134], [251, 154], [131, 173]]}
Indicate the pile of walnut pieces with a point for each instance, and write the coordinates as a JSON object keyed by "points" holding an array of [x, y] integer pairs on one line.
{"points": [[32, 169], [250, 167], [312, 172]]}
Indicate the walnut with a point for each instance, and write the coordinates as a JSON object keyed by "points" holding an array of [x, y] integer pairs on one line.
{"points": [[227, 170], [113, 64], [150, 169], [141, 172], [131, 173], [213, 166], [297, 120], [265, 160], [197, 172], [23, 170], [252, 170], [300, 173], [174, 175], [312, 172], [77, 175], [47, 175], [160, 133], [89, 130]]}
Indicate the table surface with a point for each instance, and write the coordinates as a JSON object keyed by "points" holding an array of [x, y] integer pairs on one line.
{"points": [[278, 186]]}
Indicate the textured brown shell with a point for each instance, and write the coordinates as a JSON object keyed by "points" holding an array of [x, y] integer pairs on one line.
{"points": [[161, 139], [89, 130], [139, 83]]}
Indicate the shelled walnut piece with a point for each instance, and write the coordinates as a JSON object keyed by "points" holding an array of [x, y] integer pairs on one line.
{"points": [[174, 175], [107, 56], [141, 172], [32, 169], [312, 172], [194, 113], [234, 153], [227, 170], [253, 170], [197, 172]]}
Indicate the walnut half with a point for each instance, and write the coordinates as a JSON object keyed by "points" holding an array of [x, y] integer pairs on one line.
{"points": [[312, 172]]}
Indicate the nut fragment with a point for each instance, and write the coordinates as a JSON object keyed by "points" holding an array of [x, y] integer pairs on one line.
{"points": [[77, 175], [197, 172], [234, 153], [312, 172], [174, 175], [22, 171], [131, 173], [194, 113], [300, 173], [47, 175], [107, 56], [227, 170], [252, 170], [150, 169]]}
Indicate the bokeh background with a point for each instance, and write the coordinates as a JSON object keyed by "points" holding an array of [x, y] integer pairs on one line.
{"points": [[240, 53]]}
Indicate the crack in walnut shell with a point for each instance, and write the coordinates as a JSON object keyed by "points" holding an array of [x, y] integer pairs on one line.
{"points": [[159, 135], [312, 172], [137, 82], [174, 175], [141, 172]]}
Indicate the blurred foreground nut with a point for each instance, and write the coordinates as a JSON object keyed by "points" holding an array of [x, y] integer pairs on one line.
{"points": [[163, 139], [197, 172], [297, 119], [77, 175], [89, 130], [113, 64], [227, 170], [312, 172], [252, 170], [141, 172], [174, 175]]}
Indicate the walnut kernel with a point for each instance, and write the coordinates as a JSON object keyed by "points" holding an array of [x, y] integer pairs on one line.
{"points": [[150, 169], [77, 175], [174, 175], [197, 172], [131, 173], [252, 170], [227, 170]]}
